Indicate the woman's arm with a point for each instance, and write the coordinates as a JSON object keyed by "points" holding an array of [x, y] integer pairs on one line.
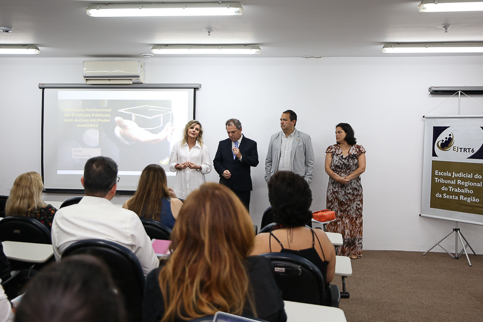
{"points": [[172, 194], [175, 207], [360, 170], [331, 267], [205, 166], [329, 253], [332, 174], [173, 158]]}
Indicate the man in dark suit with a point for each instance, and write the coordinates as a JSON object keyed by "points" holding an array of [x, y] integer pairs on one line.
{"points": [[233, 160]]}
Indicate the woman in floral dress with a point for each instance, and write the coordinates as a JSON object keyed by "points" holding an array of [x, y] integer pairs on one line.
{"points": [[25, 199], [344, 163]]}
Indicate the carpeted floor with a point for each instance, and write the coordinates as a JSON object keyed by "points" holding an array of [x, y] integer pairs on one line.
{"points": [[406, 286]]}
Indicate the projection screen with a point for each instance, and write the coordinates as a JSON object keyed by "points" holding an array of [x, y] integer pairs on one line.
{"points": [[135, 125]]}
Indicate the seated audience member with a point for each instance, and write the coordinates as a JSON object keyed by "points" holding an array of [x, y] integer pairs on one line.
{"points": [[290, 197], [78, 289], [25, 199], [96, 217], [153, 200], [6, 313], [5, 267], [209, 269]]}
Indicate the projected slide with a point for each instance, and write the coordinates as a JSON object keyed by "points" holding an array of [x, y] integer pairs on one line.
{"points": [[135, 127]]}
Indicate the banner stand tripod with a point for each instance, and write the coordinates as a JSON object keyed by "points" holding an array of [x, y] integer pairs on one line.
{"points": [[464, 243]]}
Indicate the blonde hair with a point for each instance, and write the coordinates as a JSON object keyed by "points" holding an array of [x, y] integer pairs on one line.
{"points": [[207, 272], [152, 186], [26, 195], [187, 127]]}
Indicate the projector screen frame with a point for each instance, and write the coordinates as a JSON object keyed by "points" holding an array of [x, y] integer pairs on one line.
{"points": [[44, 86]]}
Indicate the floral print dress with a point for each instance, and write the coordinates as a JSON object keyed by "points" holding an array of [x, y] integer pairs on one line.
{"points": [[346, 200], [45, 215]]}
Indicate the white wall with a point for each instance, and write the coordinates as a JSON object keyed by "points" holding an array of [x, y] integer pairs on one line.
{"points": [[384, 100]]}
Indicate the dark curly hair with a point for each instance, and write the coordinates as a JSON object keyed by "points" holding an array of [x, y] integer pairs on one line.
{"points": [[290, 197], [349, 138]]}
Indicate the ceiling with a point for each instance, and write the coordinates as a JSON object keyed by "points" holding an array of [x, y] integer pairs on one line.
{"points": [[282, 28]]}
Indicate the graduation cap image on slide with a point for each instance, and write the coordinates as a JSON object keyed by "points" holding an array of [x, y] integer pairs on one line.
{"points": [[149, 116]]}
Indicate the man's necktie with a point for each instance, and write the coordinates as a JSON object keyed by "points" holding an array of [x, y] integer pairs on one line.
{"points": [[236, 146]]}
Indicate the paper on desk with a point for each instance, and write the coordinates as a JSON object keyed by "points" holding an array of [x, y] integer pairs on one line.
{"points": [[161, 247]]}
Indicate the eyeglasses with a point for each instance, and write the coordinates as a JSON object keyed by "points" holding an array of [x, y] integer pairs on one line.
{"points": [[117, 181]]}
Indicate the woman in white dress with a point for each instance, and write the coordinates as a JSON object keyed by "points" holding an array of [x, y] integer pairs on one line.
{"points": [[190, 160]]}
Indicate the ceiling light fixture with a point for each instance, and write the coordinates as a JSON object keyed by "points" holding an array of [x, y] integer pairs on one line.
{"points": [[19, 50], [450, 5], [164, 9], [206, 49], [6, 29], [433, 48]]}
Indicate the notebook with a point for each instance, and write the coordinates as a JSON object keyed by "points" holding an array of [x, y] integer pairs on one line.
{"points": [[161, 247]]}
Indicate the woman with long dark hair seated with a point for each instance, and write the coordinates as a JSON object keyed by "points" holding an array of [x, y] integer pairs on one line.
{"points": [[290, 197], [25, 199], [209, 269], [152, 199]]}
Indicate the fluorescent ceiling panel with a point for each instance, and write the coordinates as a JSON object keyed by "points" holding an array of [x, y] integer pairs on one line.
{"points": [[433, 48], [19, 50], [450, 5], [205, 49], [164, 9]]}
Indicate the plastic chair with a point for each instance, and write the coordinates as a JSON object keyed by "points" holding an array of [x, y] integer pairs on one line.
{"points": [[24, 229], [124, 267], [301, 281], [154, 229], [3, 203], [268, 228], [70, 202], [27, 230], [267, 217]]}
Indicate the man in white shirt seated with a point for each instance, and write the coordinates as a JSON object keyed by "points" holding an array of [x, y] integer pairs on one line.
{"points": [[96, 217]]}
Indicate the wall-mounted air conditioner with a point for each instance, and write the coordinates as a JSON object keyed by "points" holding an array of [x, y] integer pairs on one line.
{"points": [[114, 72]]}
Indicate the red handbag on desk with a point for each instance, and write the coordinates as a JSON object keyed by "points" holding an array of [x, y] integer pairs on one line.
{"points": [[324, 215]]}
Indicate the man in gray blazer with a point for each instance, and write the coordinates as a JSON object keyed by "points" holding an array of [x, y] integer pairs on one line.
{"points": [[290, 150]]}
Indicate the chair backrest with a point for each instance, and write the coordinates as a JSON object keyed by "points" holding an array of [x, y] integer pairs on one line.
{"points": [[154, 229], [24, 229], [268, 228], [267, 217], [298, 278], [3, 203], [70, 202], [124, 267]]}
